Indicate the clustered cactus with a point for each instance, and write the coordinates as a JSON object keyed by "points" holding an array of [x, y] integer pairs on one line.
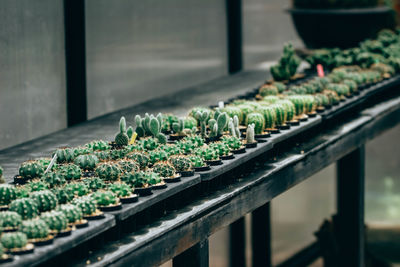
{"points": [[7, 194], [181, 163], [105, 198], [35, 229], [15, 240], [108, 171], [86, 162], [26, 207], [73, 213], [31, 170], [87, 205], [122, 138], [10, 219], [164, 169], [45, 200], [287, 65], [56, 220], [69, 171]]}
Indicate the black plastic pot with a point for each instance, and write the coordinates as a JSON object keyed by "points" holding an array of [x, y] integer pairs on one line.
{"points": [[344, 28]]}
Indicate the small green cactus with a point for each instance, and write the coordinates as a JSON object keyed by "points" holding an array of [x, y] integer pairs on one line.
{"points": [[164, 169], [128, 165], [299, 104], [158, 155], [86, 162], [55, 220], [69, 171], [45, 162], [37, 185], [332, 95], [322, 100], [221, 148], [197, 140], [234, 143], [258, 120], [152, 178], [45, 199], [7, 194], [65, 155], [31, 170], [189, 122], [35, 229], [202, 116], [155, 128], [268, 89], [171, 149], [86, 204], [281, 86], [105, 198], [137, 179], [207, 153], [168, 120], [81, 150], [23, 191], [98, 145], [269, 116], [233, 111], [63, 196], [94, 183], [53, 179], [10, 219], [149, 143], [77, 189], [120, 189], [122, 138], [14, 240], [73, 213], [26, 207], [129, 132], [287, 65], [246, 109], [104, 155], [289, 109], [186, 146], [279, 114], [108, 171], [250, 134], [197, 161], [117, 154], [181, 163]]}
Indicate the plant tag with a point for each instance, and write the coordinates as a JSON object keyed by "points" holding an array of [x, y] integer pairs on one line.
{"points": [[221, 104], [320, 70], [53, 160], [134, 135]]}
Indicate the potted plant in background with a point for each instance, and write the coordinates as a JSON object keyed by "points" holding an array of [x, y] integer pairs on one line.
{"points": [[340, 23]]}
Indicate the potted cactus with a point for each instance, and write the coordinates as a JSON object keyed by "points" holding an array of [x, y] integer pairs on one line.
{"points": [[94, 183], [166, 171], [258, 120], [121, 138], [108, 171], [123, 191], [87, 163], [198, 163], [57, 223], [217, 126], [2, 180], [209, 155], [16, 243], [7, 194], [74, 215], [235, 144], [3, 256], [88, 207], [182, 164], [250, 141], [180, 129], [29, 170], [142, 158], [65, 155], [26, 207], [223, 150], [78, 189], [37, 232], [287, 66], [106, 200], [45, 200], [69, 171], [10, 221], [63, 196]]}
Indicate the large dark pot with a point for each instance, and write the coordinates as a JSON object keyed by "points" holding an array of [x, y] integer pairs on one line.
{"points": [[342, 28]]}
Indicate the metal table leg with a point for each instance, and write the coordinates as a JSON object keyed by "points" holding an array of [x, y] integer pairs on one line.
{"points": [[261, 236], [237, 241]]}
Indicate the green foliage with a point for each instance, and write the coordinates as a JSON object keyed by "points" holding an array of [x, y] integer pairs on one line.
{"points": [[94, 183], [81, 150], [10, 219], [269, 117], [31, 170], [158, 155], [55, 220], [128, 165], [98, 145], [78, 189], [164, 169], [105, 198], [35, 228], [7, 194], [45, 200], [37, 185], [86, 162], [287, 65], [222, 148], [141, 158], [234, 143], [108, 171], [197, 161], [63, 196], [26, 207], [279, 114], [207, 153], [149, 143], [120, 189], [268, 89], [73, 213], [14, 240]]}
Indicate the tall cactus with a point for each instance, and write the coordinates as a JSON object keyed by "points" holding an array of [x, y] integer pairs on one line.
{"points": [[122, 138]]}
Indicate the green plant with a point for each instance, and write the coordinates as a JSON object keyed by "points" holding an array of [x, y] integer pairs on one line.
{"points": [[158, 155], [197, 161], [287, 65], [246, 109], [122, 138], [207, 153], [152, 178], [45, 162], [86, 162], [233, 111], [221, 148], [288, 107], [81, 150], [202, 116], [140, 157], [217, 126], [45, 199], [108, 171], [340, 89], [250, 134], [22, 191], [26, 207], [190, 122], [180, 130], [258, 120], [73, 213], [321, 100], [86, 204], [143, 125], [31, 170], [14, 240], [53, 179], [104, 155], [37, 185], [171, 149], [128, 165], [65, 155], [168, 120], [234, 143], [105, 198], [55, 220], [1, 176], [98, 145], [77, 189], [155, 129], [10, 219], [186, 146], [116, 154], [233, 126], [180, 163], [129, 132], [69, 171], [35, 229], [279, 114], [63, 196], [94, 183], [299, 104], [268, 89], [149, 143], [7, 194], [332, 95], [120, 189], [136, 179], [164, 169]]}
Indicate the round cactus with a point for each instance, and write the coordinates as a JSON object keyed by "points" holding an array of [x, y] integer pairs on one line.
{"points": [[189, 122], [14, 240], [23, 191], [45, 162], [117, 154], [140, 157], [221, 148], [233, 142], [45, 199], [81, 150], [73, 213], [181, 163], [10, 219], [289, 109], [207, 153], [164, 169], [197, 161], [186, 146], [128, 165], [321, 100], [152, 178], [299, 104], [103, 155], [77, 189], [108, 171], [86, 162], [63, 196], [26, 207], [98, 145], [7, 194], [268, 89], [31, 169], [86, 204], [171, 149], [233, 111], [270, 99], [149, 143], [105, 198], [55, 220], [65, 155], [197, 140], [120, 189], [351, 84], [35, 229], [269, 116], [94, 183], [158, 155], [258, 120], [279, 114], [310, 103], [245, 109], [69, 171], [53, 179], [37, 185], [281, 86], [332, 95]]}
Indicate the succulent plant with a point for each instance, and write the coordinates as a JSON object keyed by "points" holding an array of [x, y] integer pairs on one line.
{"points": [[152, 178], [45, 162], [22, 191], [94, 183], [143, 125], [168, 120], [53, 179], [250, 134], [217, 126], [197, 161], [105, 198], [136, 179], [180, 130], [86, 204], [351, 84], [10, 219], [14, 240], [149, 143], [171, 149], [7, 194], [108, 171], [164, 169], [340, 89], [45, 200], [35, 229], [86, 162], [299, 104], [65, 155], [202, 116], [155, 129], [234, 143], [221, 148], [55, 220], [310, 103], [281, 86], [322, 100], [269, 115], [77, 189], [104, 155], [186, 146], [117, 154], [26, 207], [120, 189], [233, 111], [63, 196], [37, 185], [31, 170], [332, 95], [73, 213], [128, 165], [258, 120], [289, 109], [98, 145], [158, 155], [287, 65], [130, 132], [122, 138], [180, 163], [207, 153], [81, 150], [268, 89], [69, 171], [279, 114], [189, 122]]}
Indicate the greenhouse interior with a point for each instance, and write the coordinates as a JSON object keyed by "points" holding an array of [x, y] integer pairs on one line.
{"points": [[226, 133]]}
